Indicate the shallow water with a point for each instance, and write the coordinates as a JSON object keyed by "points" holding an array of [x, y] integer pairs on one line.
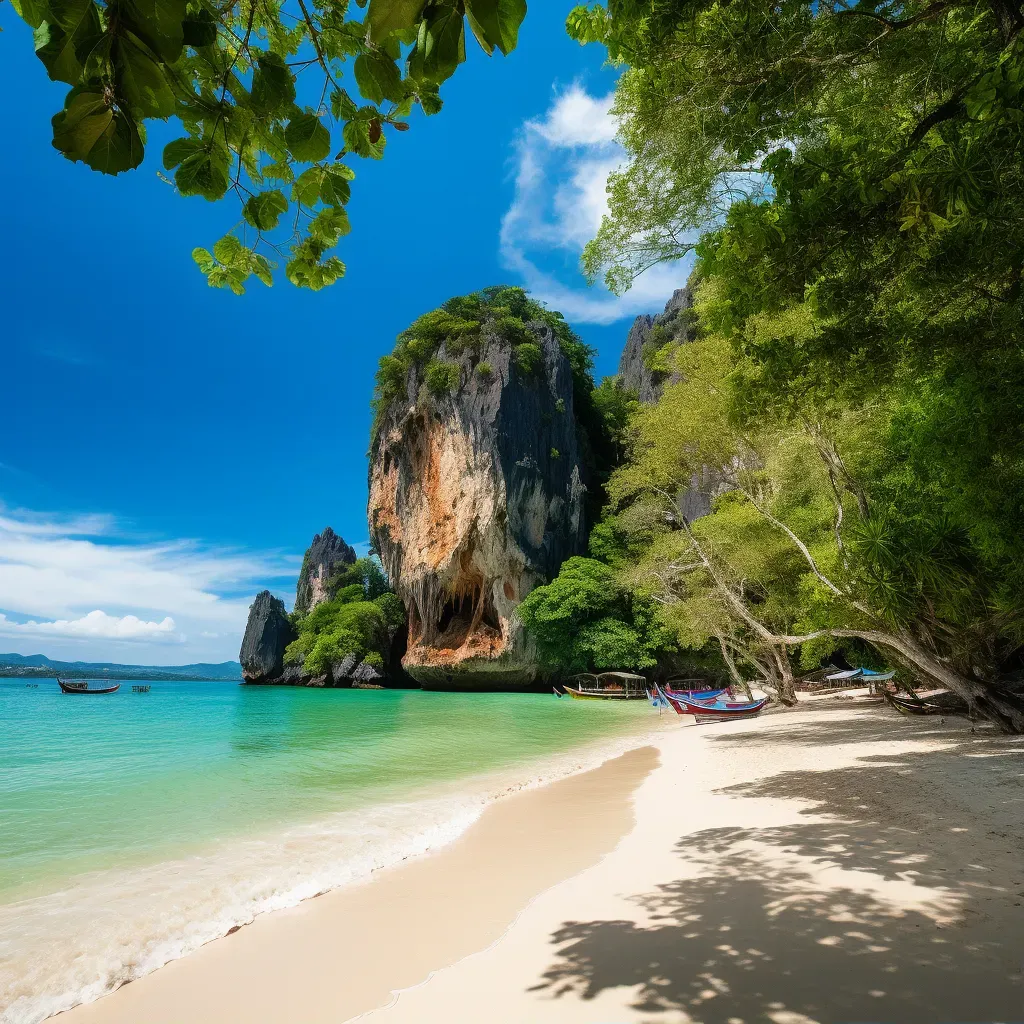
{"points": [[135, 827]]}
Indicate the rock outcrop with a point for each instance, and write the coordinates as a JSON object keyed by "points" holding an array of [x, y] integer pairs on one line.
{"points": [[270, 630], [327, 552], [476, 497], [646, 336], [267, 633], [640, 372]]}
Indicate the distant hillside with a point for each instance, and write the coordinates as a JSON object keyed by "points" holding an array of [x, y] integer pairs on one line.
{"points": [[39, 666]]}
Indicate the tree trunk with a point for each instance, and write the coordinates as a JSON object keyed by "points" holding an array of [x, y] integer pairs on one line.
{"points": [[787, 685]]}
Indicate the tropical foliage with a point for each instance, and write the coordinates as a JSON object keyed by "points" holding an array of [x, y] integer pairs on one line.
{"points": [[229, 73], [358, 622], [586, 618]]}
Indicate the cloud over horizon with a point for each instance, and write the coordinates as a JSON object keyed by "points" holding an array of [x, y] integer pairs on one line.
{"points": [[85, 581], [562, 167]]}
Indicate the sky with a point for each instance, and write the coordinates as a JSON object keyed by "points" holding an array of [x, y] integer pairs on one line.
{"points": [[168, 449]]}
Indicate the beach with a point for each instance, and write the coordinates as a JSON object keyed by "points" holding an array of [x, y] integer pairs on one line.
{"points": [[823, 865]]}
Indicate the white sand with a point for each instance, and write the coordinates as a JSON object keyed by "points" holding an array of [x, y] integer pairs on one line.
{"points": [[819, 865]]}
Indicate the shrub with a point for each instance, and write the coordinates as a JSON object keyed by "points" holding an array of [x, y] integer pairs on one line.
{"points": [[441, 377], [485, 369], [374, 660], [529, 357]]}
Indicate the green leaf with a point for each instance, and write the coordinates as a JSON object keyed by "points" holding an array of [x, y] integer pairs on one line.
{"points": [[343, 107], [329, 225], [444, 44], [158, 23], [141, 82], [91, 131], [178, 149], [306, 189], [307, 138], [387, 16], [199, 30], [378, 78], [265, 210], [33, 12], [273, 85], [227, 249], [204, 260], [334, 187], [498, 21], [64, 41], [204, 174], [357, 140]]}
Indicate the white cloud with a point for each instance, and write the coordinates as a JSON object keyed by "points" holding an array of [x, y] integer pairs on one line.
{"points": [[563, 163], [96, 625], [83, 581]]}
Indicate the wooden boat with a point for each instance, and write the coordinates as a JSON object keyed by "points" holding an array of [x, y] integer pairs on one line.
{"points": [[82, 687], [695, 694], [939, 704], [715, 708], [608, 686]]}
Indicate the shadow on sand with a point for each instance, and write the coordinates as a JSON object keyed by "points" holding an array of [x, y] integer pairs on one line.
{"points": [[897, 908]]}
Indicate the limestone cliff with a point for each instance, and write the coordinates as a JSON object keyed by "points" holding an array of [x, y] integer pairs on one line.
{"points": [[327, 553], [476, 496], [642, 371], [637, 370], [267, 633]]}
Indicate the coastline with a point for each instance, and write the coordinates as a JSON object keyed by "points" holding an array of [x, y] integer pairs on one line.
{"points": [[818, 865]]}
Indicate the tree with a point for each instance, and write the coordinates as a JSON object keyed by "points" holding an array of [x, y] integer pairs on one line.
{"points": [[805, 548], [229, 72], [585, 619]]}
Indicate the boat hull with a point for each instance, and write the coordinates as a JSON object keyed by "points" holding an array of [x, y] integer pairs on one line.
{"points": [[715, 709], [67, 688], [609, 695]]}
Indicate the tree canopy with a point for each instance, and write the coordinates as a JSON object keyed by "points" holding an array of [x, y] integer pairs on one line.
{"points": [[229, 72]]}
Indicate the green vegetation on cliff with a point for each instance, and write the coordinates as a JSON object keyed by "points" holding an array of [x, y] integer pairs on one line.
{"points": [[358, 621]]}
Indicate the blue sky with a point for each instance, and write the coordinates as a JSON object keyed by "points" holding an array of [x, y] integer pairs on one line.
{"points": [[168, 449]]}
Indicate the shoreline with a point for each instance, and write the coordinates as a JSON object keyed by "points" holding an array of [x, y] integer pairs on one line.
{"points": [[826, 864], [301, 946], [76, 938]]}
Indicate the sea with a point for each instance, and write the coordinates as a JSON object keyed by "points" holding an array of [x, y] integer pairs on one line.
{"points": [[134, 827]]}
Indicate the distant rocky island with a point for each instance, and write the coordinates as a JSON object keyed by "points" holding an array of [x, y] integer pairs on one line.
{"points": [[486, 461], [38, 666]]}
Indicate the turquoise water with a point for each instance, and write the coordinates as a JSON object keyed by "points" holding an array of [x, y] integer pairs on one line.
{"points": [[134, 827]]}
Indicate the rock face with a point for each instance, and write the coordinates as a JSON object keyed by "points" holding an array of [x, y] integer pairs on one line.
{"points": [[267, 633], [326, 552], [269, 630], [476, 497], [648, 334]]}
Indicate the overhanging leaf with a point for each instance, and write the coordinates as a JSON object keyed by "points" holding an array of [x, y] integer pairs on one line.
{"points": [[378, 78], [307, 138], [273, 85], [142, 83], [97, 134], [499, 21], [387, 16], [264, 210]]}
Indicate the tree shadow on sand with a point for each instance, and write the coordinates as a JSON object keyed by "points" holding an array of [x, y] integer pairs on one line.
{"points": [[872, 915]]}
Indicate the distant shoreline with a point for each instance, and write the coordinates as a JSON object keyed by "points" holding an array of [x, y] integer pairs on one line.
{"points": [[152, 675]]}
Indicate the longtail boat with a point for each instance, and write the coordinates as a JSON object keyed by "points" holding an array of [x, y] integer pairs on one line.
{"points": [[695, 694], [939, 704], [715, 708], [83, 687], [608, 686]]}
